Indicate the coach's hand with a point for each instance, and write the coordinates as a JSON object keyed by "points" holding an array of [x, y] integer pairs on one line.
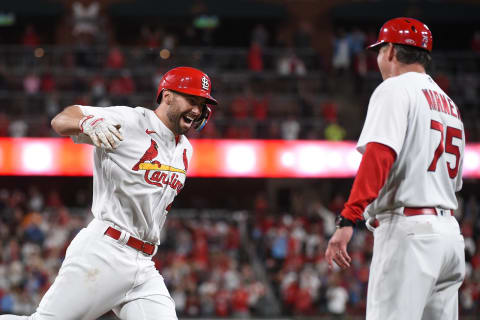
{"points": [[337, 248], [104, 134]]}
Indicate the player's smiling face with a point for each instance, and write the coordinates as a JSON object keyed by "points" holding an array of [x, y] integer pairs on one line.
{"points": [[182, 111]]}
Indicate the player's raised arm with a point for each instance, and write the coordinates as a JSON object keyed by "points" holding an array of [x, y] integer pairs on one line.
{"points": [[66, 123], [103, 133]]}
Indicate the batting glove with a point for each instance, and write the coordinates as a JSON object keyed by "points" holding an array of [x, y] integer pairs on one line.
{"points": [[103, 133]]}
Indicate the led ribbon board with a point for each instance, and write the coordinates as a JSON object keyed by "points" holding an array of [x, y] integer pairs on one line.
{"points": [[211, 158]]}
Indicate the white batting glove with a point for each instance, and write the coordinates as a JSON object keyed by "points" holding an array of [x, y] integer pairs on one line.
{"points": [[102, 132]]}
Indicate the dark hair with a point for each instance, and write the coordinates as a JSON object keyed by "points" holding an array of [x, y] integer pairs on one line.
{"points": [[408, 55]]}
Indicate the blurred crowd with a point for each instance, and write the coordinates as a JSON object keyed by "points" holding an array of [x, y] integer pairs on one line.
{"points": [[35, 230], [202, 260], [206, 259], [275, 87], [292, 246], [208, 271]]}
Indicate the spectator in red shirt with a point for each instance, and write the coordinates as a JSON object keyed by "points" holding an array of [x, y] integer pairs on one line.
{"points": [[255, 57], [48, 83], [240, 303], [233, 239], [222, 303], [329, 111], [290, 294], [121, 88], [476, 41], [30, 37], [116, 58], [4, 124], [151, 37], [241, 106], [303, 302]]}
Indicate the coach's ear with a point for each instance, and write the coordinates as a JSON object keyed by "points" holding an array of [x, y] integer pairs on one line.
{"points": [[391, 52]]}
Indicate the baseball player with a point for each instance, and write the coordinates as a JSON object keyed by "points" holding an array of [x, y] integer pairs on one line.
{"points": [[141, 159], [413, 147]]}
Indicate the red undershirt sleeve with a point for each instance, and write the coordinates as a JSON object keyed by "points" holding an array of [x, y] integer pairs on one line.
{"points": [[372, 174]]}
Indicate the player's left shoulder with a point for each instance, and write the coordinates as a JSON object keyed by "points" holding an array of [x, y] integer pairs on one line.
{"points": [[125, 113], [186, 144], [390, 87], [141, 112]]}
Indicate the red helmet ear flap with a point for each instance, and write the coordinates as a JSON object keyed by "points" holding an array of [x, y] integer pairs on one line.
{"points": [[159, 96], [201, 122]]}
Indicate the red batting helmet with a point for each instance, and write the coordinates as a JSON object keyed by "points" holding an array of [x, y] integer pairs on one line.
{"points": [[407, 31], [193, 82], [187, 80]]}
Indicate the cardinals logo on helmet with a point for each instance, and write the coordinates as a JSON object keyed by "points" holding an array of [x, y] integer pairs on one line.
{"points": [[205, 83]]}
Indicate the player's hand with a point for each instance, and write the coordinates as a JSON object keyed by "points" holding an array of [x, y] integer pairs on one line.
{"points": [[337, 248], [102, 132]]}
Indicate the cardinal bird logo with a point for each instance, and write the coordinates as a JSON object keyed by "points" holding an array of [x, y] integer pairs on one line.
{"points": [[149, 155], [158, 174], [185, 159]]}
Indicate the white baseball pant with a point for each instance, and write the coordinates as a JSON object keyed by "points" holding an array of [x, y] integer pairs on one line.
{"points": [[418, 265], [100, 274]]}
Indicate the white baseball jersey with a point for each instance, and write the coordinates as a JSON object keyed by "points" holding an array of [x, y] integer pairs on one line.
{"points": [[135, 184], [413, 116]]}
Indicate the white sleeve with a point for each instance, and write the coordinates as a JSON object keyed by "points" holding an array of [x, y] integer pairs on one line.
{"points": [[387, 117], [118, 115]]}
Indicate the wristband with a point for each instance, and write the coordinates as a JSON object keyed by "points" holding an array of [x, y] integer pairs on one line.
{"points": [[80, 123], [344, 222]]}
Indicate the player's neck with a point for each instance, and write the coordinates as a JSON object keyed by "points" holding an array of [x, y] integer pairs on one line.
{"points": [[162, 115], [401, 68]]}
